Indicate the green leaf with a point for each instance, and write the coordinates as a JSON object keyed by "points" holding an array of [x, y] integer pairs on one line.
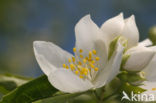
{"points": [[132, 78], [27, 93], [112, 47], [59, 99], [7, 86], [9, 82], [128, 88]]}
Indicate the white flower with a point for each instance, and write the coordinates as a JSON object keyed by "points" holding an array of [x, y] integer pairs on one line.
{"points": [[150, 88], [88, 68], [149, 72], [118, 26], [139, 54], [142, 55]]}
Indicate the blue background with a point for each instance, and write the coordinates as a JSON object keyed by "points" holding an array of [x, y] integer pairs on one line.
{"points": [[24, 21]]}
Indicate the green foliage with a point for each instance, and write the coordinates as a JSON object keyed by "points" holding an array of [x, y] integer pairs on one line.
{"points": [[9, 82], [6, 87], [27, 93], [112, 47], [40, 90], [128, 88], [132, 78], [59, 99], [129, 83]]}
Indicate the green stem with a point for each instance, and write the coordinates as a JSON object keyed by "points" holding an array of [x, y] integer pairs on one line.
{"points": [[111, 95], [96, 95], [98, 98], [108, 97], [103, 93]]}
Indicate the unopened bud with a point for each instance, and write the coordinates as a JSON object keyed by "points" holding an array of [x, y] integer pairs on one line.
{"points": [[138, 58]]}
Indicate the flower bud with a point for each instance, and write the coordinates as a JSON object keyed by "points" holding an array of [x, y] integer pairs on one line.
{"points": [[139, 57]]}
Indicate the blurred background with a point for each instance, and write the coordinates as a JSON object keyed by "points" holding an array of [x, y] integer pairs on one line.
{"points": [[24, 21]]}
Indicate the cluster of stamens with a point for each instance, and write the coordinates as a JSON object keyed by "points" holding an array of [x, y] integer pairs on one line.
{"points": [[83, 66]]}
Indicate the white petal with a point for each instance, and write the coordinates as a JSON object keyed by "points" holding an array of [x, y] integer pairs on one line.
{"points": [[68, 82], [140, 56], [111, 69], [149, 86], [101, 49], [150, 70], [49, 56], [112, 27], [130, 31], [87, 33], [115, 62], [153, 48], [146, 42]]}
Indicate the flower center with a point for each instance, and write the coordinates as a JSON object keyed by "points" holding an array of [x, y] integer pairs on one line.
{"points": [[86, 66]]}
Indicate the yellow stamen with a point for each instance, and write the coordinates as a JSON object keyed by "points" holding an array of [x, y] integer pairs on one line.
{"points": [[72, 66], [81, 73], [91, 65], [69, 60], [80, 63], [79, 69], [93, 62], [90, 54], [64, 65], [87, 70], [84, 69], [79, 66], [97, 58], [86, 73], [81, 76], [73, 59], [96, 69], [83, 66], [94, 52], [80, 50], [84, 60], [89, 59], [67, 67], [81, 56], [74, 50], [76, 72]]}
